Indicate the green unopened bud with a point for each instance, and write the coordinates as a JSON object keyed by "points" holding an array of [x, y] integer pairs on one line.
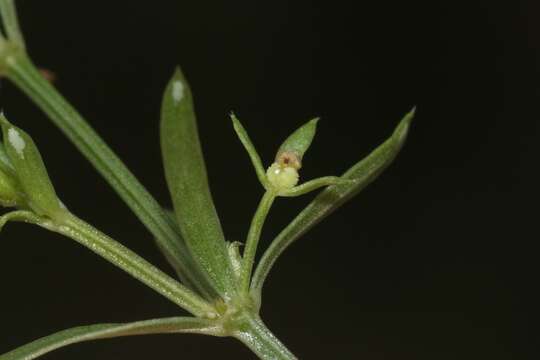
{"points": [[282, 175], [292, 150], [30, 172]]}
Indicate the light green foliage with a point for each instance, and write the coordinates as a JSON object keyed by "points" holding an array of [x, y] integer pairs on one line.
{"points": [[188, 184], [18, 68], [216, 283]]}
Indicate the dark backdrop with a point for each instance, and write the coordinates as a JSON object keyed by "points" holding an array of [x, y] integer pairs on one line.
{"points": [[436, 260]]}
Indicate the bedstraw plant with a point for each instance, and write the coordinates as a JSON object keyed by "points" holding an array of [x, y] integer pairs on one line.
{"points": [[218, 282]]}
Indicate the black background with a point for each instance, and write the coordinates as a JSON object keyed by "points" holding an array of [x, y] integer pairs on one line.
{"points": [[436, 260]]}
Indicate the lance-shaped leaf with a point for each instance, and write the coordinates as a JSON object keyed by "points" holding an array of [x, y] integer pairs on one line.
{"points": [[188, 184], [104, 331], [177, 255], [30, 171], [363, 173]]}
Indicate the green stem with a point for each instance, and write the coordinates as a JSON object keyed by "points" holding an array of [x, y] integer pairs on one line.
{"points": [[24, 74], [253, 237], [11, 22], [130, 262], [255, 335]]}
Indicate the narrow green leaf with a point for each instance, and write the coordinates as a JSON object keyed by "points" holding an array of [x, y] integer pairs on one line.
{"points": [[188, 184], [8, 12], [104, 331], [293, 148], [250, 148], [363, 173], [175, 257], [26, 77], [30, 171]]}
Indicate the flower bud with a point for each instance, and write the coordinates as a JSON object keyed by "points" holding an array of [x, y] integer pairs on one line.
{"points": [[292, 150], [282, 175], [29, 171]]}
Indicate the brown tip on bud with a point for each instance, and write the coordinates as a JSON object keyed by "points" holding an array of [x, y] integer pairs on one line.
{"points": [[289, 159]]}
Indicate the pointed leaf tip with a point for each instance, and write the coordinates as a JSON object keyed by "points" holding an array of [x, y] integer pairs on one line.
{"points": [[179, 91], [401, 131]]}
